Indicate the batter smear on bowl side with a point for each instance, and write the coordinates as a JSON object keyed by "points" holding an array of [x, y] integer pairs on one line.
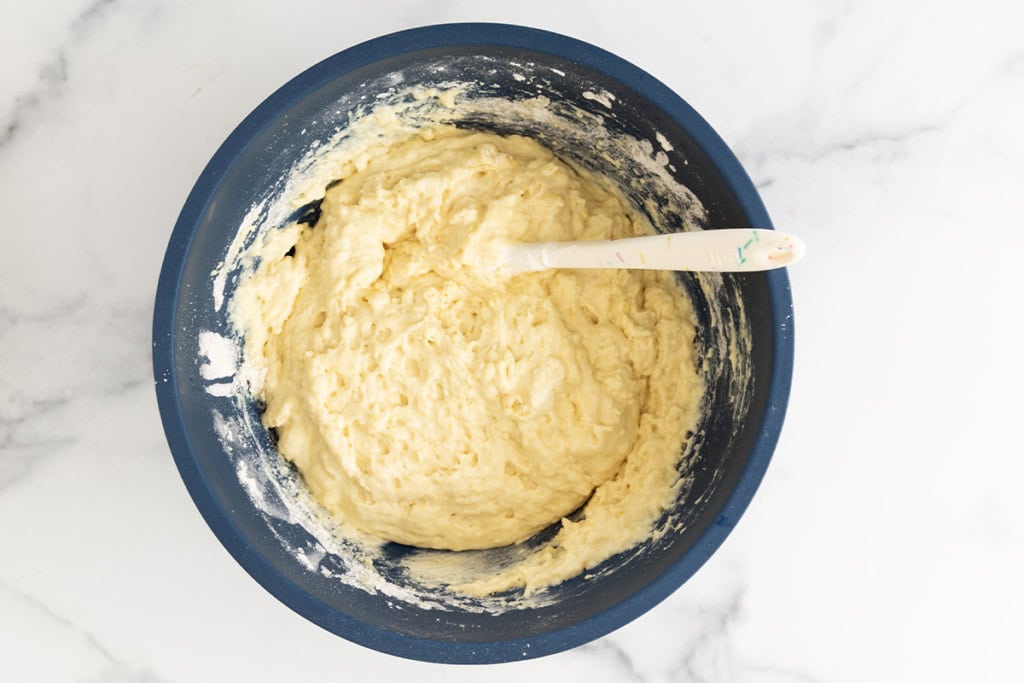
{"points": [[431, 402]]}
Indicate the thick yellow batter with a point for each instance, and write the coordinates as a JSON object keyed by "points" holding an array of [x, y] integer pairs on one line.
{"points": [[429, 401]]}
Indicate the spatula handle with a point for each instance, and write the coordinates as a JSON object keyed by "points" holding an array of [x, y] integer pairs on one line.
{"points": [[724, 250]]}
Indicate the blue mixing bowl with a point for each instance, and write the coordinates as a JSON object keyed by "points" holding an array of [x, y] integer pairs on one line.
{"points": [[746, 389]]}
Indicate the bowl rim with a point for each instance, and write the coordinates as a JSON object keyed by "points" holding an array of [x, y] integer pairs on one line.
{"points": [[164, 342]]}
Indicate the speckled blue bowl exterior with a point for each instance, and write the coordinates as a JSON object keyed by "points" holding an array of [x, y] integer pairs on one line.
{"points": [[733, 458]]}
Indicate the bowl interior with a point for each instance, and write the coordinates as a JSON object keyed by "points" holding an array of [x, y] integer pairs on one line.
{"points": [[736, 313]]}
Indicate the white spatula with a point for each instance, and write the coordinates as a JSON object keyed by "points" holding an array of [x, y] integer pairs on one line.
{"points": [[734, 250]]}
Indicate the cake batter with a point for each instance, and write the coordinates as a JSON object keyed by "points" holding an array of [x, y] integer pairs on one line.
{"points": [[431, 401]]}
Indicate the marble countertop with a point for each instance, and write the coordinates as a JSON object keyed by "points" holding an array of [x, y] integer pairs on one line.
{"points": [[887, 540]]}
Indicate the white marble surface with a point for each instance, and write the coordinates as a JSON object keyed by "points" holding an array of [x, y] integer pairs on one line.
{"points": [[887, 541]]}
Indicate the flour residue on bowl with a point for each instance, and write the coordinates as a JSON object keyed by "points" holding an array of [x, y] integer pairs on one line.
{"points": [[603, 97], [421, 578]]}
